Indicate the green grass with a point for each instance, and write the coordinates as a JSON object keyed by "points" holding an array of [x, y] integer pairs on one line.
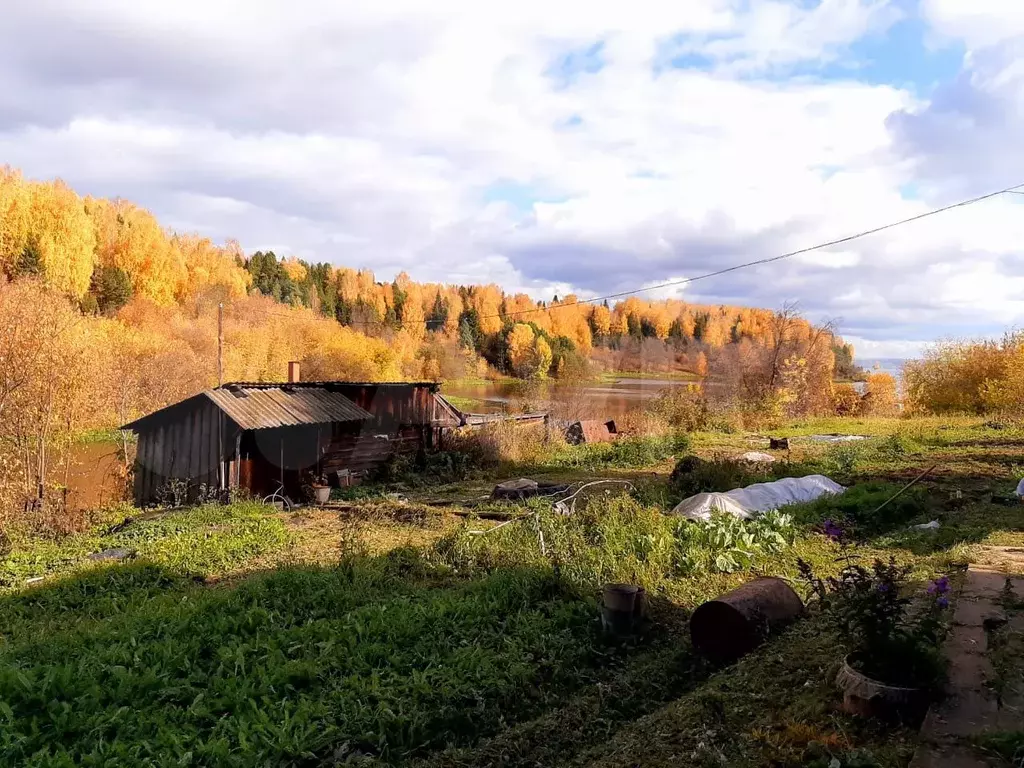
{"points": [[201, 540], [1008, 745], [104, 435], [291, 668], [481, 649], [625, 453]]}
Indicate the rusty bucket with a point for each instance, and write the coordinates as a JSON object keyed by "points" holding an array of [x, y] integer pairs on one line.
{"points": [[735, 623], [622, 607]]}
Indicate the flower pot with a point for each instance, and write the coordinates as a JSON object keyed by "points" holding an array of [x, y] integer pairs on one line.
{"points": [[866, 697], [322, 493]]}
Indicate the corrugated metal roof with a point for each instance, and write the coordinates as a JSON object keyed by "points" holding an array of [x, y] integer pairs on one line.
{"points": [[266, 407]]}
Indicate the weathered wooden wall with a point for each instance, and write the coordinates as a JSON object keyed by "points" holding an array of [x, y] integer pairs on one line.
{"points": [[394, 405], [186, 444], [187, 441]]}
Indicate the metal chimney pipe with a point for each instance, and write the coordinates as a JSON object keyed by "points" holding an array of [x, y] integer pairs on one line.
{"points": [[293, 372]]}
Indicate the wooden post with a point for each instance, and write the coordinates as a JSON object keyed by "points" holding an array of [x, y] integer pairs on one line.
{"points": [[220, 345]]}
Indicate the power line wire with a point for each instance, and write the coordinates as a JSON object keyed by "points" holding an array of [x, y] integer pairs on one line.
{"points": [[790, 254], [734, 268]]}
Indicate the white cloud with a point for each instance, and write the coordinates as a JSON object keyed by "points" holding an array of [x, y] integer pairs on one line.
{"points": [[867, 350], [378, 134], [979, 23]]}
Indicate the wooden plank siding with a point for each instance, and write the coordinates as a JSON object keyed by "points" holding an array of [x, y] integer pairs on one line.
{"points": [[183, 445], [191, 439]]}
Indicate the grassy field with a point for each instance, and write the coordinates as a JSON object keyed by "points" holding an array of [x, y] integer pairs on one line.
{"points": [[402, 630]]}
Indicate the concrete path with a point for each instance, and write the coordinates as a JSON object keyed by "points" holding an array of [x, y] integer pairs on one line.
{"points": [[977, 700]]}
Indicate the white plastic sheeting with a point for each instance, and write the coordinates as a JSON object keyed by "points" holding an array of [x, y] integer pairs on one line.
{"points": [[758, 498], [837, 438]]}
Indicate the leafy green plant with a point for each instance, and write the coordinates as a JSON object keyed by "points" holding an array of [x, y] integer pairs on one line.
{"points": [[842, 459], [693, 475], [865, 509], [728, 544], [896, 446], [297, 667], [202, 540]]}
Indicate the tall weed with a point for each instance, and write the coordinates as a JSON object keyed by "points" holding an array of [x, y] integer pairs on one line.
{"points": [[618, 540]]}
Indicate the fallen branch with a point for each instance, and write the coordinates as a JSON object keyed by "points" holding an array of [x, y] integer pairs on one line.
{"points": [[564, 506], [487, 514]]}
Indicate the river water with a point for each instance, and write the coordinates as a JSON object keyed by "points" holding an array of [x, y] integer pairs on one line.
{"points": [[94, 482], [604, 400]]}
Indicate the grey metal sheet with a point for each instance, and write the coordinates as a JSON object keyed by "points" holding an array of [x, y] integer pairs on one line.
{"points": [[269, 407]]}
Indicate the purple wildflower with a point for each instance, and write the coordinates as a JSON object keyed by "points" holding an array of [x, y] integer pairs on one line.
{"points": [[939, 587], [883, 587], [832, 530], [942, 602]]}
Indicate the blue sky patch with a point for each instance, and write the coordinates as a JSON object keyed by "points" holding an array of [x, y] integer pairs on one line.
{"points": [[519, 195], [910, 191], [683, 52], [568, 68], [902, 57]]}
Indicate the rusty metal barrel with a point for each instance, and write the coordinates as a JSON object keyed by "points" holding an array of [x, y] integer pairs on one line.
{"points": [[735, 623]]}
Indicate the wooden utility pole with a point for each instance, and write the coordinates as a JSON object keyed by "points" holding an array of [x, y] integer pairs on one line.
{"points": [[220, 345]]}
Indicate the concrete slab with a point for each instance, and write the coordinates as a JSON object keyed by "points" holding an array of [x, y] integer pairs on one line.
{"points": [[969, 671], [984, 581], [961, 714], [966, 639], [973, 612], [971, 707], [948, 756]]}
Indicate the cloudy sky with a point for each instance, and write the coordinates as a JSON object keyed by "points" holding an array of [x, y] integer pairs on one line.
{"points": [[556, 145]]}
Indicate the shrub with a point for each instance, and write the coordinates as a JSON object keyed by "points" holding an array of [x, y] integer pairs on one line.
{"points": [[869, 608], [694, 475], [881, 397], [968, 377], [682, 408], [841, 459], [858, 508], [845, 400]]}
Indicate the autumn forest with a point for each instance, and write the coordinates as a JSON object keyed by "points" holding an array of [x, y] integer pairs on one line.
{"points": [[105, 315]]}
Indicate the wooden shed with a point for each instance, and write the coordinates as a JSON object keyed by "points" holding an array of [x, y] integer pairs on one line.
{"points": [[591, 431], [262, 436]]}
